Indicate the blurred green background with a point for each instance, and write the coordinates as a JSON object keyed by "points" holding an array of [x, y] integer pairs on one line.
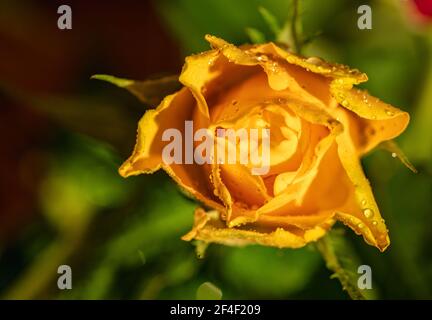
{"points": [[63, 136]]}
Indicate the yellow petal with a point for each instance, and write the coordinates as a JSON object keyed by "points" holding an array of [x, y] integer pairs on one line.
{"points": [[324, 129], [313, 196], [244, 186], [303, 222], [344, 74], [210, 73], [279, 73], [376, 121], [147, 154], [209, 228], [364, 217], [220, 190], [196, 73], [251, 110]]}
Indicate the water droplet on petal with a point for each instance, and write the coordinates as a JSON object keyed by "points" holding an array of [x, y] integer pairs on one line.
{"points": [[374, 223], [315, 60], [363, 203], [394, 155], [212, 61], [368, 213], [389, 113], [262, 58], [360, 225], [274, 67]]}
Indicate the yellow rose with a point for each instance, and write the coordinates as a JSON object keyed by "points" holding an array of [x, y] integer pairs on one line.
{"points": [[320, 127]]}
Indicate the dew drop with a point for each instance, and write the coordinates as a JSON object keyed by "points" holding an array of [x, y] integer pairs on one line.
{"points": [[368, 213], [315, 60], [262, 58], [360, 225], [374, 223], [389, 113], [274, 67], [394, 155], [211, 61], [234, 102], [363, 203]]}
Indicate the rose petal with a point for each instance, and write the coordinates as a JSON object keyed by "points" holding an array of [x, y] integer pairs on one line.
{"points": [[196, 73], [313, 190], [372, 226], [376, 121], [209, 228], [244, 186], [344, 74], [276, 68], [147, 154]]}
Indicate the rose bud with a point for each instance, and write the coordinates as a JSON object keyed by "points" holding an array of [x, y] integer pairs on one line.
{"points": [[319, 124]]}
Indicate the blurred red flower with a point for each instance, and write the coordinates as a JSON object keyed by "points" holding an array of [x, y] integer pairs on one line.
{"points": [[424, 8]]}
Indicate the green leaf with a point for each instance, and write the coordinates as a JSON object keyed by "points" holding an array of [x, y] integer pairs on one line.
{"points": [[151, 91], [340, 258], [120, 82], [255, 35], [208, 291], [271, 20], [296, 25], [391, 146]]}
